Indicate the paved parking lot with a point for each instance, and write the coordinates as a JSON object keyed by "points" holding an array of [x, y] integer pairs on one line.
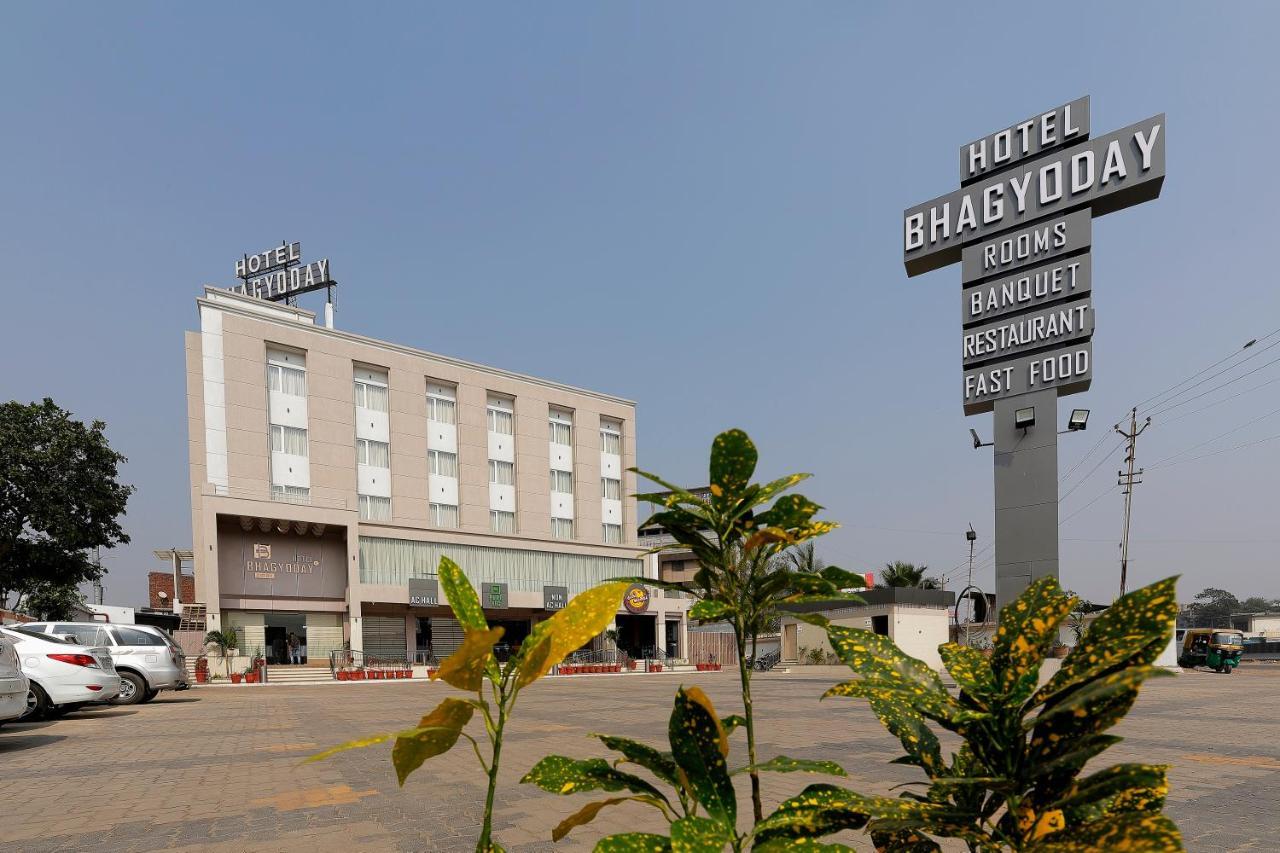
{"points": [[217, 768]]}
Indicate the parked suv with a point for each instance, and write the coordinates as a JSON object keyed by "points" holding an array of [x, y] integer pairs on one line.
{"points": [[147, 659], [13, 684]]}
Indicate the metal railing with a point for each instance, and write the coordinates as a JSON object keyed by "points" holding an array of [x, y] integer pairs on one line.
{"points": [[353, 660]]}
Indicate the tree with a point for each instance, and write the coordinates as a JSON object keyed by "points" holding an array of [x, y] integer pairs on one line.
{"points": [[51, 602], [59, 499], [802, 558], [1258, 604], [899, 573], [1212, 606]]}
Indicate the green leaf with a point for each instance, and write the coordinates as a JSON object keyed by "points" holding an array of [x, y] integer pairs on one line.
{"points": [[557, 774], [437, 733], [783, 764], [811, 584], [1133, 631], [660, 764], [820, 810], [532, 661], [778, 486], [905, 841], [699, 835], [971, 670], [1115, 780], [842, 579], [778, 844], [588, 813], [700, 747], [465, 668], [585, 616], [733, 461], [710, 610], [910, 728], [462, 597], [633, 842], [1080, 700], [1126, 833], [1028, 627], [788, 513], [892, 676], [732, 722]]}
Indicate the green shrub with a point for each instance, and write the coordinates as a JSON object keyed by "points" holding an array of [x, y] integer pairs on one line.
{"points": [[1016, 782], [702, 809], [473, 668]]}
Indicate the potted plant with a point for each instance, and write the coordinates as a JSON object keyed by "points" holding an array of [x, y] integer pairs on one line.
{"points": [[235, 678], [250, 675], [226, 641], [1059, 650], [202, 670]]}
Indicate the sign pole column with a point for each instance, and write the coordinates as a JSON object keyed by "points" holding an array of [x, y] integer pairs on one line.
{"points": [[1026, 493]]}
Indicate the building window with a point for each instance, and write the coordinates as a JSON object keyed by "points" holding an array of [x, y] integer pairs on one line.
{"points": [[442, 463], [287, 439], [440, 410], [374, 508], [561, 433], [443, 515], [372, 397], [376, 454], [610, 489], [287, 380], [562, 528], [500, 422], [291, 494], [610, 442], [562, 482], [502, 473], [502, 522], [612, 534]]}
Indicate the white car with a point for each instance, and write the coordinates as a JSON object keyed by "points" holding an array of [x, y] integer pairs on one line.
{"points": [[13, 684], [63, 676]]}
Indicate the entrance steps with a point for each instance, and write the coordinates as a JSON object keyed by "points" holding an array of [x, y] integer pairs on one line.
{"points": [[298, 675]]}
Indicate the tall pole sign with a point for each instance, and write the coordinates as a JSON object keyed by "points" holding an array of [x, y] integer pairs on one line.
{"points": [[1021, 228]]}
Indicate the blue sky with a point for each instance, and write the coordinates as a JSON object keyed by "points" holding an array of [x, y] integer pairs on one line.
{"points": [[700, 204]]}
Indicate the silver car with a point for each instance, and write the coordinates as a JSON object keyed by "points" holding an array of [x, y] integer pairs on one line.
{"points": [[147, 659]]}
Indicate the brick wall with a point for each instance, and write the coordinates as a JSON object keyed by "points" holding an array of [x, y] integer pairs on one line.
{"points": [[158, 582]]}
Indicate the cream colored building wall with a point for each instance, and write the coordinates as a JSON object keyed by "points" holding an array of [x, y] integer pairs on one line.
{"points": [[918, 631]]}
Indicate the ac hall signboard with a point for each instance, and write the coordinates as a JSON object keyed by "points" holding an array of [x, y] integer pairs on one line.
{"points": [[1021, 227]]}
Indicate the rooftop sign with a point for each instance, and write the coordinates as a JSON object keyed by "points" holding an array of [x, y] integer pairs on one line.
{"points": [[279, 273]]}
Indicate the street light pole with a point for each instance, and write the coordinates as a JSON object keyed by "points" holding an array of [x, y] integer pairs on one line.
{"points": [[968, 622]]}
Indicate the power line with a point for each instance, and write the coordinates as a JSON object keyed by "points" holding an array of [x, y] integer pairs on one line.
{"points": [[1232, 355], [1223, 450], [1089, 504], [1126, 479], [1217, 403], [1085, 478], [1169, 406], [1215, 438]]}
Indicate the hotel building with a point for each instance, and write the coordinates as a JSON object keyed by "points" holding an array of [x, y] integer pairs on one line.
{"points": [[330, 472]]}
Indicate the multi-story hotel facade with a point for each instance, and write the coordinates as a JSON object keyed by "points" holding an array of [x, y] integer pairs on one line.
{"points": [[330, 472]]}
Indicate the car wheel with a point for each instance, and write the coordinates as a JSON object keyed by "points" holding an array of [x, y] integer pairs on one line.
{"points": [[149, 695], [132, 688], [37, 703]]}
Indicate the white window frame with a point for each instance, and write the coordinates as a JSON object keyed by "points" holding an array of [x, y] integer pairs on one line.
{"points": [[437, 404], [278, 432], [557, 477], [611, 534], [275, 378], [496, 415], [434, 466], [562, 528], [497, 465], [436, 512], [605, 436], [362, 396], [495, 515], [604, 489], [555, 427], [367, 503]]}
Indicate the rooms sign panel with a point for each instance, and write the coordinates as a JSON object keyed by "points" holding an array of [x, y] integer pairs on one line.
{"points": [[1021, 228]]}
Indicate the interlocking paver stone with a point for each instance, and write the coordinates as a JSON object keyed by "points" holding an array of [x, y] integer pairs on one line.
{"points": [[218, 769]]}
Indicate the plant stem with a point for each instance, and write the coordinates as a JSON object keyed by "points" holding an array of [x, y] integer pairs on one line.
{"points": [[484, 844], [744, 675]]}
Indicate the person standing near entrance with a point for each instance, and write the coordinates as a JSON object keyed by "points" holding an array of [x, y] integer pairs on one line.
{"points": [[294, 656]]}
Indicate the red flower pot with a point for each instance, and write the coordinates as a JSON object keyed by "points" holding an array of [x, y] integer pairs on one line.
{"points": [[202, 676], [251, 678], [358, 675], [235, 678], [341, 675]]}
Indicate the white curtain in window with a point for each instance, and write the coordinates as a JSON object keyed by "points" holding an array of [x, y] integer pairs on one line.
{"points": [[374, 453], [287, 439], [502, 522], [394, 561], [444, 515], [562, 528], [561, 481], [375, 508], [372, 397], [610, 442], [561, 433], [612, 534], [287, 380], [440, 410], [502, 473], [442, 463], [500, 422], [291, 494], [610, 489]]}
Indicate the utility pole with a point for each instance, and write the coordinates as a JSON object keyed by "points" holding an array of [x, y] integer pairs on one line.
{"points": [[1126, 479]]}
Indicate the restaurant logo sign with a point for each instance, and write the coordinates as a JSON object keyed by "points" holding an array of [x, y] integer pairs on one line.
{"points": [[494, 596], [636, 599], [1020, 226], [555, 597]]}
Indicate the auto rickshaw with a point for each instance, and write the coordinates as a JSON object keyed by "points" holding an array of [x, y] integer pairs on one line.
{"points": [[1216, 648]]}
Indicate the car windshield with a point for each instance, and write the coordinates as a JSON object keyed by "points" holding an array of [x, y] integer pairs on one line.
{"points": [[24, 633], [1228, 639]]}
